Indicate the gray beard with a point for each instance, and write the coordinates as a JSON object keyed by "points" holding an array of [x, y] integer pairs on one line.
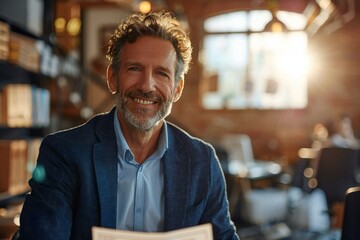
{"points": [[138, 120]]}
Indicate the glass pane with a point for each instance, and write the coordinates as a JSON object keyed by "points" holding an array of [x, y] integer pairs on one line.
{"points": [[220, 23], [225, 59], [293, 21], [258, 19], [278, 70]]}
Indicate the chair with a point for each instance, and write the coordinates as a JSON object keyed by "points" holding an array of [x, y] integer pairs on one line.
{"points": [[336, 172], [351, 219], [258, 206], [299, 178], [241, 158]]}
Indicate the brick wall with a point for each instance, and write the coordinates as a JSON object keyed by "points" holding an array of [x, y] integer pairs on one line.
{"points": [[334, 87]]}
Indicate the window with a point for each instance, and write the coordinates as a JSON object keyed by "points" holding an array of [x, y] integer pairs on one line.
{"points": [[245, 67]]}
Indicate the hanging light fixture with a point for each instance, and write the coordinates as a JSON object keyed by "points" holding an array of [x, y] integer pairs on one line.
{"points": [[275, 25]]}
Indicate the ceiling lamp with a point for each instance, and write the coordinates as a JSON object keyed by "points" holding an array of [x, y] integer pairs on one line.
{"points": [[275, 25]]}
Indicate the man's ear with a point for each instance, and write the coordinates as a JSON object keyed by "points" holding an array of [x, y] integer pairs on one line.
{"points": [[178, 90], [111, 80]]}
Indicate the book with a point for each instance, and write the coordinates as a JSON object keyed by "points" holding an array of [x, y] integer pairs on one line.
{"points": [[23, 52], [13, 158], [18, 158], [4, 40], [40, 107], [24, 105], [200, 232], [17, 105]]}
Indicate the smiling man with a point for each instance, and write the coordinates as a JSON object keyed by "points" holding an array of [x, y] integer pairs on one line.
{"points": [[130, 169]]}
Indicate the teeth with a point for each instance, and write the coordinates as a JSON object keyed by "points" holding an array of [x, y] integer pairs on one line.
{"points": [[143, 101]]}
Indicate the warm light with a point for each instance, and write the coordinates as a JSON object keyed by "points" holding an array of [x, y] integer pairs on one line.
{"points": [[145, 6], [295, 59], [277, 27], [307, 153], [17, 220], [286, 67], [309, 172], [312, 183], [60, 24], [73, 26]]}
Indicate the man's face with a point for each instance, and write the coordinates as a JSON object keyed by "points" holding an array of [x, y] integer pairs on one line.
{"points": [[146, 86]]}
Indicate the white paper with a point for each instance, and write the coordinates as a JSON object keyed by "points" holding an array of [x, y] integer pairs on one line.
{"points": [[201, 232]]}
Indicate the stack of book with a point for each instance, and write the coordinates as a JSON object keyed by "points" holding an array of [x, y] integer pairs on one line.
{"points": [[29, 53], [24, 53], [4, 40], [24, 105], [18, 158]]}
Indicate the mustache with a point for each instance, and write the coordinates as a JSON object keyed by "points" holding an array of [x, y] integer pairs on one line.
{"points": [[139, 94]]}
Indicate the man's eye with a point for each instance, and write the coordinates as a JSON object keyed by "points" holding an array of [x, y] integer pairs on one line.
{"points": [[163, 74], [134, 68]]}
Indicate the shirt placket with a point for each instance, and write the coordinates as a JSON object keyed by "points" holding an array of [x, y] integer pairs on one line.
{"points": [[139, 200]]}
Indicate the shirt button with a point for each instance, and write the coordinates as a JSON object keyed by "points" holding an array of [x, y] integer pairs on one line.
{"points": [[128, 157], [139, 210]]}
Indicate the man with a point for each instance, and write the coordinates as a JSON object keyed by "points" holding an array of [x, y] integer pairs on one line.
{"points": [[341, 133], [130, 169]]}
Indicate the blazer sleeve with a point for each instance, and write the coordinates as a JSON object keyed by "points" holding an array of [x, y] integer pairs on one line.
{"points": [[217, 207], [47, 210]]}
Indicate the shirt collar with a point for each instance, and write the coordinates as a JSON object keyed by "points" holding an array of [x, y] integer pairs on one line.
{"points": [[124, 151]]}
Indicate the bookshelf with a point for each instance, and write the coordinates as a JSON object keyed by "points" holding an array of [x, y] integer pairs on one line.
{"points": [[28, 64]]}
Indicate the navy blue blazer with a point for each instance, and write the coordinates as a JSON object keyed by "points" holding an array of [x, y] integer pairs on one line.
{"points": [[80, 185]]}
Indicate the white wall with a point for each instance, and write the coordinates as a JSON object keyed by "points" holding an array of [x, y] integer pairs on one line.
{"points": [[93, 21]]}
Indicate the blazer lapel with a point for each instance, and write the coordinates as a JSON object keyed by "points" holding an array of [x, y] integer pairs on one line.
{"points": [[106, 176], [105, 162], [176, 171]]}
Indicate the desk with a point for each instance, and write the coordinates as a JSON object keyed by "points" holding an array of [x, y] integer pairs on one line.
{"points": [[254, 170]]}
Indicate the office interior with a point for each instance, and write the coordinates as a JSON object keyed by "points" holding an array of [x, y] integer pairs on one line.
{"points": [[265, 76]]}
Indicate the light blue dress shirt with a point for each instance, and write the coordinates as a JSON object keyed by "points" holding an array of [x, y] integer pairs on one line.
{"points": [[140, 194]]}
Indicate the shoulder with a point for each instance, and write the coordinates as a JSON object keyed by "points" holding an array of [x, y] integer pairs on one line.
{"points": [[199, 152], [84, 133], [181, 138]]}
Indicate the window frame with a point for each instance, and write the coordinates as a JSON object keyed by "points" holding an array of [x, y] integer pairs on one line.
{"points": [[248, 32]]}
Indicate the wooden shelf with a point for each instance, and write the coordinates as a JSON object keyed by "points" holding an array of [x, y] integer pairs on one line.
{"points": [[6, 198], [19, 132]]}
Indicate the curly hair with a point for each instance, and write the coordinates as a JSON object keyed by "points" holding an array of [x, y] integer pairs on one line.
{"points": [[161, 24]]}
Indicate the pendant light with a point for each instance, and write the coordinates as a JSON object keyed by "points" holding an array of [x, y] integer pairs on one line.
{"points": [[275, 25]]}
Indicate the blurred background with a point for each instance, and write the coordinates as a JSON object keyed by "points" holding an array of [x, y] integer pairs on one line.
{"points": [[267, 79]]}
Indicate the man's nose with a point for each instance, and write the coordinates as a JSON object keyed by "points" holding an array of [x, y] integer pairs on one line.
{"points": [[147, 83]]}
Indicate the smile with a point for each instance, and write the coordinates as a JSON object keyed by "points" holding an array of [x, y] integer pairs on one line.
{"points": [[145, 102]]}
